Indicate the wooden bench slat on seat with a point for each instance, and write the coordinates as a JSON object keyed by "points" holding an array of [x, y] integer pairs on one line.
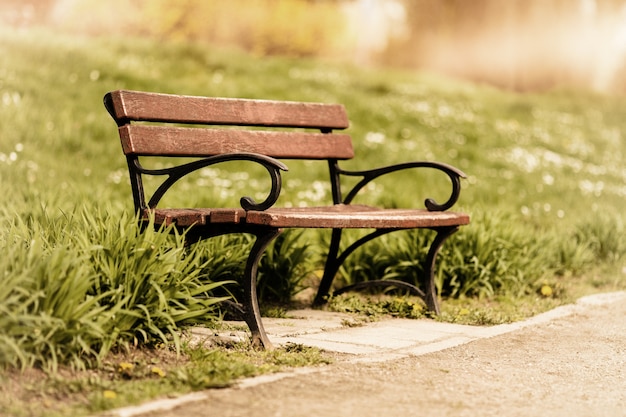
{"points": [[180, 141], [354, 216], [186, 217], [337, 216], [157, 107]]}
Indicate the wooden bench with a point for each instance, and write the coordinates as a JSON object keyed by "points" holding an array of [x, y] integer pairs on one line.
{"points": [[285, 130]]}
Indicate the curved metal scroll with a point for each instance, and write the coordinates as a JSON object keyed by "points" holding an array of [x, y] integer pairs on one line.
{"points": [[453, 173], [272, 165]]}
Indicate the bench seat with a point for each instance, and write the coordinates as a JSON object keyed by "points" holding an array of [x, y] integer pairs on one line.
{"points": [[345, 216]]}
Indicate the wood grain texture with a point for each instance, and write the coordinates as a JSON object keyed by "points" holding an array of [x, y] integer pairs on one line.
{"points": [[186, 141], [354, 216], [156, 107], [337, 216], [186, 217]]}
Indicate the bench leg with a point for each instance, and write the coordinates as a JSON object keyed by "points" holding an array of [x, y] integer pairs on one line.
{"points": [[432, 303], [334, 261], [330, 269], [252, 312]]}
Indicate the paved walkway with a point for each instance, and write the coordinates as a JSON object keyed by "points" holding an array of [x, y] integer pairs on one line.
{"points": [[532, 367]]}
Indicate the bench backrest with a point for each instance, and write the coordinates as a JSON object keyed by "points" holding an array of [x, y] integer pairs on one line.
{"points": [[142, 139]]}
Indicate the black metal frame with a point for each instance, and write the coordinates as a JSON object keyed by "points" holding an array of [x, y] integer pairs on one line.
{"points": [[249, 309], [175, 173], [265, 235], [335, 259]]}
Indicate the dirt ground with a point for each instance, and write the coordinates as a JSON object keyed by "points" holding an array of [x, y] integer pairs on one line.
{"points": [[571, 366]]}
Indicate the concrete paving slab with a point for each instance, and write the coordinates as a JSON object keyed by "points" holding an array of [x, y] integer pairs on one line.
{"points": [[329, 331], [369, 340]]}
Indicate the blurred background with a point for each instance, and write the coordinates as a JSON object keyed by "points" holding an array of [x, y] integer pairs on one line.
{"points": [[522, 45]]}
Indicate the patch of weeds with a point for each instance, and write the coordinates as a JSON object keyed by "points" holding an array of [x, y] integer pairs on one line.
{"points": [[353, 303], [475, 311], [296, 355], [234, 326], [403, 307], [473, 316], [352, 322], [378, 306], [140, 375], [274, 311], [496, 310]]}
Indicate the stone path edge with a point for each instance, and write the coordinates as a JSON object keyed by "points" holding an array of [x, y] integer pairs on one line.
{"points": [[421, 349]]}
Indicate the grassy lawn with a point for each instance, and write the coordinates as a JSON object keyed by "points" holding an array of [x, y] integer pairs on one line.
{"points": [[82, 287]]}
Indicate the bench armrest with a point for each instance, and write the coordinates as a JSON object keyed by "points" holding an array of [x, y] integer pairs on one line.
{"points": [[453, 173], [272, 165]]}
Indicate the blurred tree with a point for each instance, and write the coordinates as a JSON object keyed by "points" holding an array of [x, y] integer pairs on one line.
{"points": [[291, 27]]}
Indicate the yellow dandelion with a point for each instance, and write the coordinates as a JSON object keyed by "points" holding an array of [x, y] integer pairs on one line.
{"points": [[464, 312], [158, 371], [125, 367], [546, 290], [109, 395]]}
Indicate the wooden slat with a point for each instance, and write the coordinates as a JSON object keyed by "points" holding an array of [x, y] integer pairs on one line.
{"points": [[181, 141], [156, 107], [195, 217], [355, 216], [337, 216]]}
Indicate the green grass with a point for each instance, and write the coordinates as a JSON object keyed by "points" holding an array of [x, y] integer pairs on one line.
{"points": [[134, 376], [546, 189]]}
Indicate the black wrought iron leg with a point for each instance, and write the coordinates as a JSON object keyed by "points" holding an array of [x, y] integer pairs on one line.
{"points": [[251, 303], [330, 269], [432, 303]]}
